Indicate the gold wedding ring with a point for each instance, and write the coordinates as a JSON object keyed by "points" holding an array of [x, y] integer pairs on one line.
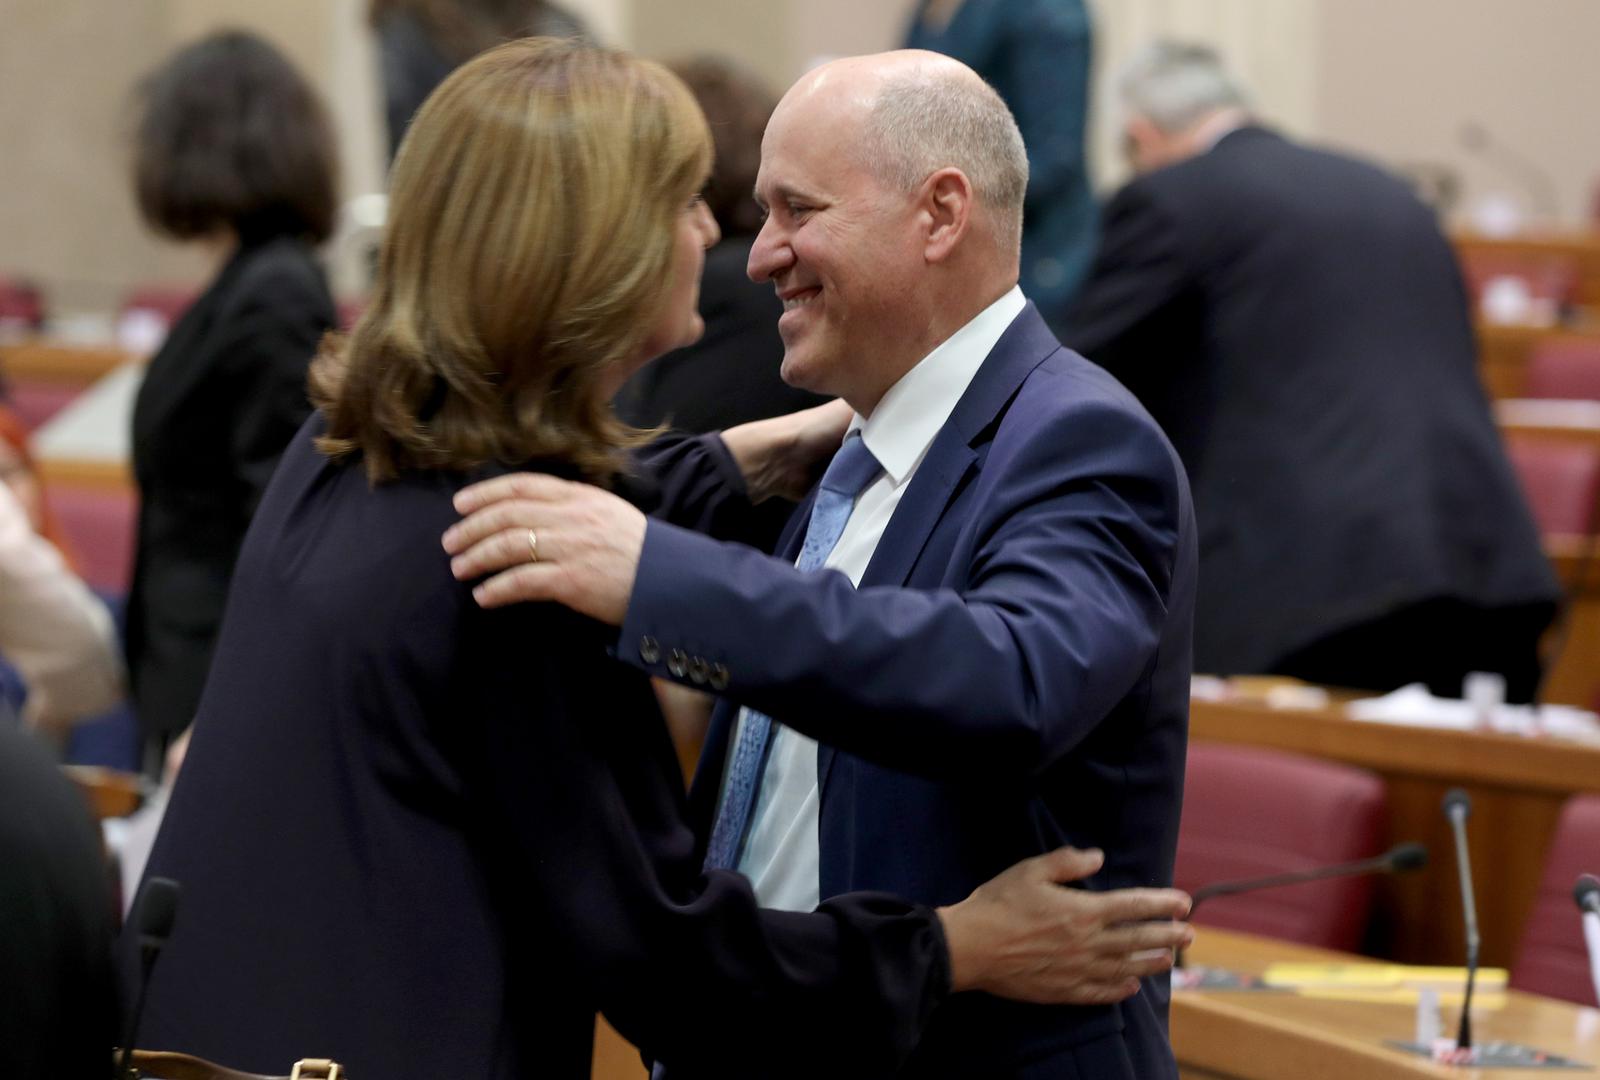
{"points": [[533, 546]]}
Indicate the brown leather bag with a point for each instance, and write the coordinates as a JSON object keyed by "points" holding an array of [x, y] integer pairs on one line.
{"points": [[161, 1065]]}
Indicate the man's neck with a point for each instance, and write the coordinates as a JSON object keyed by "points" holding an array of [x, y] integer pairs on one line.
{"points": [[1214, 128], [943, 321]]}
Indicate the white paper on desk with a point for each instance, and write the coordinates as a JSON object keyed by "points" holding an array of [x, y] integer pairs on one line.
{"points": [[131, 839], [1414, 706]]}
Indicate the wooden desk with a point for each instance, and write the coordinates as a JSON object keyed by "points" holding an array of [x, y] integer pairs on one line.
{"points": [[1262, 1036], [1503, 353], [1518, 786], [1578, 250], [1573, 675], [47, 361]]}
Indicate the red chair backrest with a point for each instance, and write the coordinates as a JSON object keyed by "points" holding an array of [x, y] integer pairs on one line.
{"points": [[1551, 958], [1564, 368], [1561, 480], [167, 301], [99, 523], [1249, 812], [21, 303]]}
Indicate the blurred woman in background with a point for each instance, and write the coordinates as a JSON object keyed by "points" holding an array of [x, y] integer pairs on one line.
{"points": [[233, 152], [422, 41], [59, 657]]}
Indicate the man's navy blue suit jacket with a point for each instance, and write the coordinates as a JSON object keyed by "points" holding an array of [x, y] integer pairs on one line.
{"points": [[1012, 674]]}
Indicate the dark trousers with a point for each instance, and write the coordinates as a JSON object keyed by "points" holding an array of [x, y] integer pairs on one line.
{"points": [[1437, 642]]}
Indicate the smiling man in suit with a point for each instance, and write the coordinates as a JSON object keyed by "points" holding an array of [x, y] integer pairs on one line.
{"points": [[981, 616]]}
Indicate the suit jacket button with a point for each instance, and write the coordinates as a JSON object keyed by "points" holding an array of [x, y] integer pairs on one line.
{"points": [[649, 649], [699, 670], [677, 663], [718, 677]]}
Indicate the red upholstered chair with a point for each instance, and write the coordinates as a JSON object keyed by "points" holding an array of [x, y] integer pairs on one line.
{"points": [[37, 400], [99, 524], [1564, 368], [1249, 812], [21, 305], [167, 301], [1561, 480], [1551, 958]]}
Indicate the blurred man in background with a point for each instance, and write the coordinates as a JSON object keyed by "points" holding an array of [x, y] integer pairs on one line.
{"points": [[1297, 323]]}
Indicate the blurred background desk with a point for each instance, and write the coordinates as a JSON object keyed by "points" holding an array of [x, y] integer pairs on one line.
{"points": [[1518, 786], [1267, 1036]]}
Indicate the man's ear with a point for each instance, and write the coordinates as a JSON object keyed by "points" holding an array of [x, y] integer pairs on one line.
{"points": [[947, 203]]}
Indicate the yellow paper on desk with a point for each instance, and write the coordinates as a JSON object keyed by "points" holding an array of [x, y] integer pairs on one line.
{"points": [[1321, 977]]}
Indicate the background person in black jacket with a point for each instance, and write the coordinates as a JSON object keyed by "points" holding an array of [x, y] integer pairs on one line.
{"points": [[233, 151], [1297, 323]]}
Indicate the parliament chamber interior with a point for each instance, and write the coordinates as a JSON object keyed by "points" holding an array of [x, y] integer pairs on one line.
{"points": [[1341, 256]]}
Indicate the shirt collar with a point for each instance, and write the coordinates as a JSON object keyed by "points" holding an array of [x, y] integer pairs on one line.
{"points": [[910, 414]]}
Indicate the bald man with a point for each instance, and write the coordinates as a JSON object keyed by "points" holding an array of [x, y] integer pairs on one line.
{"points": [[974, 643]]}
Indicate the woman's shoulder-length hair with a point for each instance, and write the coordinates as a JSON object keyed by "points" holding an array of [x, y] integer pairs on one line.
{"points": [[231, 136], [532, 220]]}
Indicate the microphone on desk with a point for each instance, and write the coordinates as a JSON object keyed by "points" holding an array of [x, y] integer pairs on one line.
{"points": [[1521, 169], [1457, 805], [153, 915], [1400, 859], [1587, 894]]}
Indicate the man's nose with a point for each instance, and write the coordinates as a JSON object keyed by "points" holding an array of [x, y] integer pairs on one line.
{"points": [[769, 255]]}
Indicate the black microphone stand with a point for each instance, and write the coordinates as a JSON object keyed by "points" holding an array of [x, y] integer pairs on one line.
{"points": [[1456, 807]]}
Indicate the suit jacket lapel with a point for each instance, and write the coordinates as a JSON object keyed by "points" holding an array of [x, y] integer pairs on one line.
{"points": [[1024, 345]]}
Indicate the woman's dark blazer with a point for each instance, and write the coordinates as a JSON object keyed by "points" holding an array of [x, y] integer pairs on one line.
{"points": [[219, 403], [430, 840]]}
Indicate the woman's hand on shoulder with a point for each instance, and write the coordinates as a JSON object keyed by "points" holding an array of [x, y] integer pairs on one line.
{"points": [[784, 456], [535, 537]]}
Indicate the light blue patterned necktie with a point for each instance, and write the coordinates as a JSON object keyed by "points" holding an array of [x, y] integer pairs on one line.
{"points": [[848, 475]]}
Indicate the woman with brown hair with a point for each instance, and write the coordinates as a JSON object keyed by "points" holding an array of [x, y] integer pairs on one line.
{"points": [[234, 154], [428, 839]]}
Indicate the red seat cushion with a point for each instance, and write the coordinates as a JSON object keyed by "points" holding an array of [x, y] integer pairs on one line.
{"points": [[1249, 812], [1564, 368], [99, 524], [1552, 958], [1561, 480]]}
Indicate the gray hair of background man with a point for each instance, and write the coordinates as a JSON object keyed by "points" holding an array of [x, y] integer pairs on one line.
{"points": [[1175, 84], [926, 120]]}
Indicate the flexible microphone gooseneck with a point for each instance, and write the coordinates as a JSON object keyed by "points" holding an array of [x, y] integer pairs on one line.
{"points": [[153, 915], [1400, 859], [1587, 894], [1457, 805]]}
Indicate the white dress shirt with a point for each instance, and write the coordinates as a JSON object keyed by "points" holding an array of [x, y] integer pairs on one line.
{"points": [[781, 855]]}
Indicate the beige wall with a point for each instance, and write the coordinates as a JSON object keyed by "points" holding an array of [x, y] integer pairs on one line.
{"points": [[1394, 79], [1397, 80]]}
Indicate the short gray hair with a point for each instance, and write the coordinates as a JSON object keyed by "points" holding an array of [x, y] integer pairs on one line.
{"points": [[924, 120], [1173, 84]]}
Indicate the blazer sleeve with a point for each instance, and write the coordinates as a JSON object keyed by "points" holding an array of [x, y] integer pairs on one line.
{"points": [[701, 488], [685, 965], [56, 632], [1050, 624], [271, 338], [1138, 275]]}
